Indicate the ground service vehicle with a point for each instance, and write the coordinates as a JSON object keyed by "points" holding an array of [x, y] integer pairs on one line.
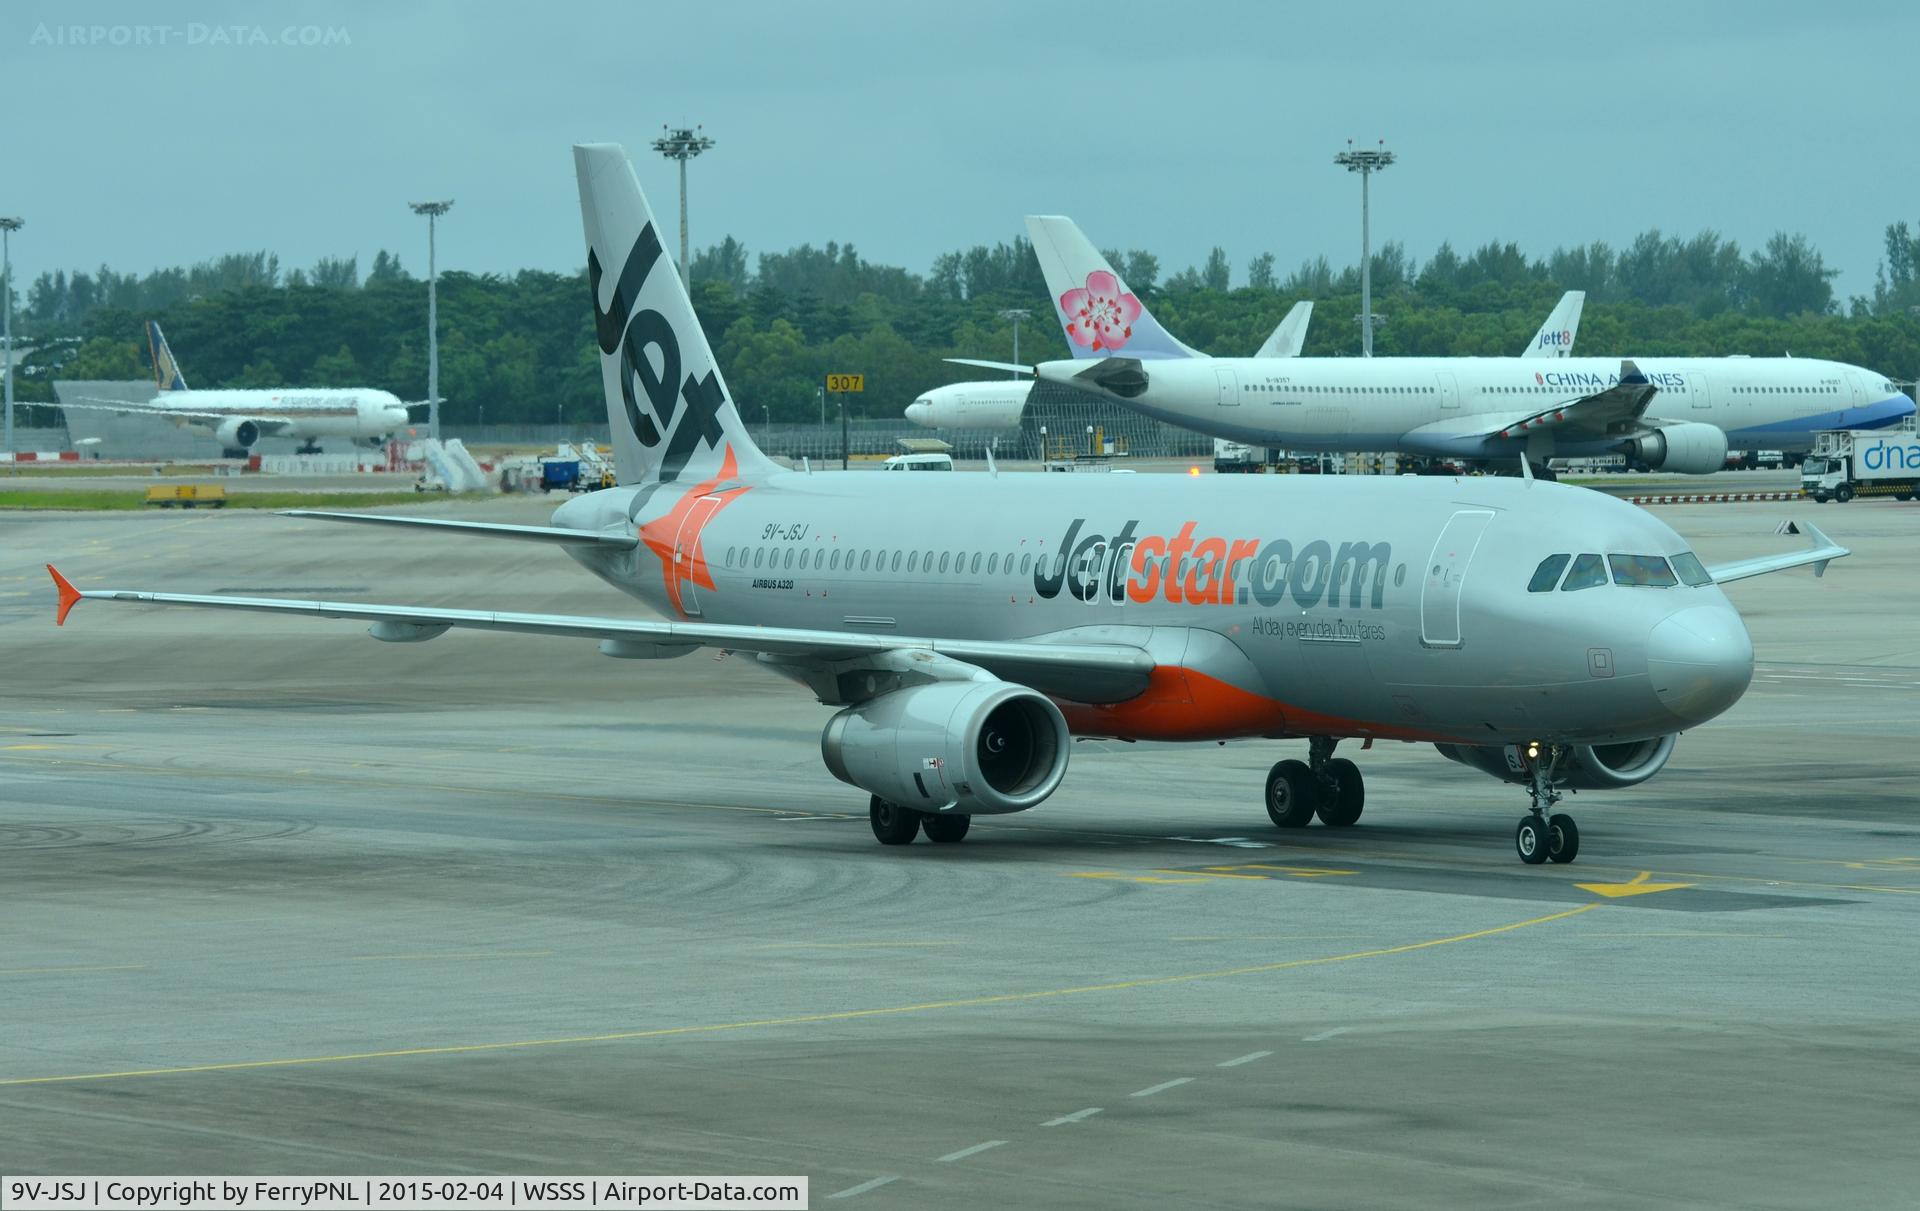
{"points": [[1846, 463]]}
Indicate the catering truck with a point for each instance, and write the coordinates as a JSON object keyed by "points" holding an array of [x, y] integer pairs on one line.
{"points": [[1845, 463]]}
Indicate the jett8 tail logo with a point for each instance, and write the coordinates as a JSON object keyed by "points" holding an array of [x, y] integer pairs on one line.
{"points": [[641, 338], [1557, 340]]}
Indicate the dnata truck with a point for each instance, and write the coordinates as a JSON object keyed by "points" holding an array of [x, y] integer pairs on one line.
{"points": [[1845, 463]]}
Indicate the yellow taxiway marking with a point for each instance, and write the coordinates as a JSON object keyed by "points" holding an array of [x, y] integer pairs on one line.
{"points": [[844, 1015], [34, 971], [1299, 872], [465, 954], [1636, 886], [22, 748], [1216, 872]]}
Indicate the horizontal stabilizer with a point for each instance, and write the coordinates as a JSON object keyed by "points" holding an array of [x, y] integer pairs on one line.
{"points": [[481, 529], [1015, 367]]}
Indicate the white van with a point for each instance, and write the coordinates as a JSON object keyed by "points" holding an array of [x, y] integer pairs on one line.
{"points": [[918, 462]]}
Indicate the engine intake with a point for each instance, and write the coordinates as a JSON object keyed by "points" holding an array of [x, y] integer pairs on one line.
{"points": [[1587, 767], [238, 434], [1690, 448], [988, 747]]}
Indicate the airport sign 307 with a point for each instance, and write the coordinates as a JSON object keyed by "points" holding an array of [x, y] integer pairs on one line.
{"points": [[847, 382]]}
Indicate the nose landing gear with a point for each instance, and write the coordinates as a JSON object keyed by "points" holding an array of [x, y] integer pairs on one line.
{"points": [[1323, 785], [1545, 834]]}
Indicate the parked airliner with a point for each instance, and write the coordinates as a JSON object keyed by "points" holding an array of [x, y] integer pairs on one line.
{"points": [[965, 628], [1000, 404], [1672, 414], [240, 417]]}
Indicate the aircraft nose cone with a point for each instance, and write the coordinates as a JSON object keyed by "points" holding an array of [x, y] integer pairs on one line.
{"points": [[920, 413], [1700, 661]]}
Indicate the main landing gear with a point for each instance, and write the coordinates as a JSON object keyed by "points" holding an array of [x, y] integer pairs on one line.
{"points": [[1323, 785], [896, 825], [1544, 833], [312, 447]]}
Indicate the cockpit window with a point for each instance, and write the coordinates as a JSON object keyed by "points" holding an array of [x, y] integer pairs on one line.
{"points": [[1548, 574], [1589, 571], [1692, 573], [1642, 571]]}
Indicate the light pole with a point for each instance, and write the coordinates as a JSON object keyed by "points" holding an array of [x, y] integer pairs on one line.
{"points": [[682, 144], [1365, 162], [433, 211], [7, 228], [1016, 314]]}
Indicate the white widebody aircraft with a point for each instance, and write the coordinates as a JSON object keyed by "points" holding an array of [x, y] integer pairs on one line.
{"points": [[964, 628], [240, 417], [1000, 405], [1672, 414]]}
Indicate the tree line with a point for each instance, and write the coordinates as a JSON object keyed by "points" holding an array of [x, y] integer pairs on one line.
{"points": [[519, 348]]}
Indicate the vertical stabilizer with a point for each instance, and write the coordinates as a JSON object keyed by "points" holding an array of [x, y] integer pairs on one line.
{"points": [[1291, 336], [166, 371], [668, 408], [1100, 316], [1555, 338]]}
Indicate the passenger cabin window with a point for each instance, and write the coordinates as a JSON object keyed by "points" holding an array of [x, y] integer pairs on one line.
{"points": [[1642, 571], [1548, 574], [1589, 571], [1692, 574]]}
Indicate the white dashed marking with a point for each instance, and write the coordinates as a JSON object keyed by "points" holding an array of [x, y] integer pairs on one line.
{"points": [[1162, 1087], [1075, 1117], [1249, 1058], [964, 1153]]}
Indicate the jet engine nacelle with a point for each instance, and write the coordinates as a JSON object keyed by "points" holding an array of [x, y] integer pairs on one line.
{"points": [[1586, 767], [1690, 448], [987, 747], [238, 433]]}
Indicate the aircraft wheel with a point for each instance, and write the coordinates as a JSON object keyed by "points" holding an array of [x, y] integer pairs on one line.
{"points": [[1903, 497], [1340, 807], [1563, 838], [893, 824], [1843, 493], [945, 828], [1290, 794], [1530, 839]]}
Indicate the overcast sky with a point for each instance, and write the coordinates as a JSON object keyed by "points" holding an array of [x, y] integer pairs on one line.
{"points": [[911, 129]]}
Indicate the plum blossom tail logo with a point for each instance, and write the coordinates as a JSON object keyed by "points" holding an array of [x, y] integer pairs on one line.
{"points": [[1100, 316]]}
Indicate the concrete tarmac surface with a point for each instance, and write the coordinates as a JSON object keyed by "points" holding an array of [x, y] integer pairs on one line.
{"points": [[276, 898]]}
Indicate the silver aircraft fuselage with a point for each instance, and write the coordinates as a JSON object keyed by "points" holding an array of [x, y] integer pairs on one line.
{"points": [[1273, 606]]}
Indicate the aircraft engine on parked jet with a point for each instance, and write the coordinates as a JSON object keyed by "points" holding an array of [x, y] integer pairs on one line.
{"points": [[1690, 448], [238, 433], [1585, 767], [987, 746]]}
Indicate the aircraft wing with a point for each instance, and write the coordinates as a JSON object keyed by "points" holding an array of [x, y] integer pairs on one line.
{"points": [[1087, 672], [1615, 412], [1822, 551], [269, 425], [482, 529]]}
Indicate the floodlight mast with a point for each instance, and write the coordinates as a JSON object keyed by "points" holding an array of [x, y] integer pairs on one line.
{"points": [[7, 227], [1366, 162], [1015, 314], [682, 144], [433, 211]]}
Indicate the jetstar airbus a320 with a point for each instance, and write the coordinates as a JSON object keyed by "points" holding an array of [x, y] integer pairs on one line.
{"points": [[966, 627]]}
